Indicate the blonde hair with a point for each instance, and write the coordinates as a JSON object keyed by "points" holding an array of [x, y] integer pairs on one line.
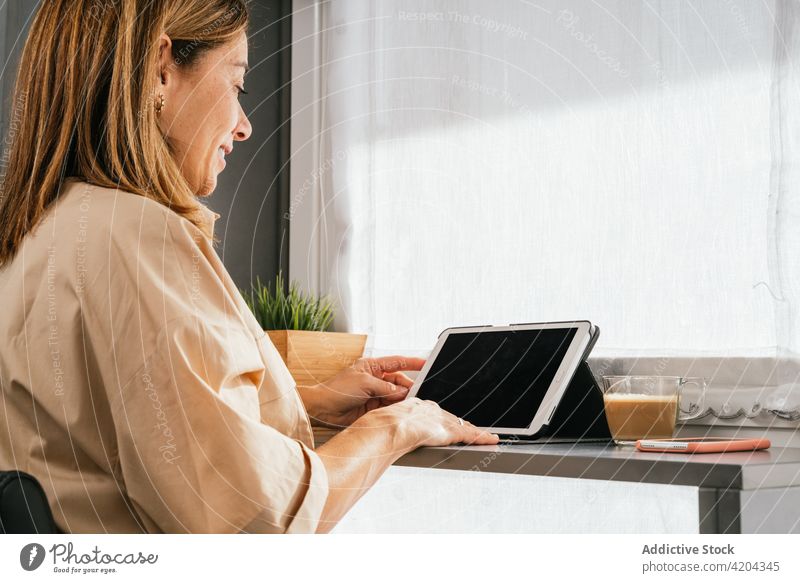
{"points": [[84, 103]]}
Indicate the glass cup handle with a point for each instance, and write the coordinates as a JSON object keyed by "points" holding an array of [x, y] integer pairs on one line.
{"points": [[700, 405]]}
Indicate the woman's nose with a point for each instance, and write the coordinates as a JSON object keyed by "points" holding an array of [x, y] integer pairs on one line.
{"points": [[243, 129]]}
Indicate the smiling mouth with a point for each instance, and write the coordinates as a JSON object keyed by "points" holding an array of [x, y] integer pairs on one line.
{"points": [[221, 153]]}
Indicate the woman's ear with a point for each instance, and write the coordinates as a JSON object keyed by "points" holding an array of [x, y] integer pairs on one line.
{"points": [[166, 64]]}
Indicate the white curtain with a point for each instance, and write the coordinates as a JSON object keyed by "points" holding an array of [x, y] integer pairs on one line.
{"points": [[633, 163]]}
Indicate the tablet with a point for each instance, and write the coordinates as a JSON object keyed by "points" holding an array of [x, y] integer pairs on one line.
{"points": [[505, 379]]}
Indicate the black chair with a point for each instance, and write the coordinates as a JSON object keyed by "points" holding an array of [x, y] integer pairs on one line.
{"points": [[23, 505]]}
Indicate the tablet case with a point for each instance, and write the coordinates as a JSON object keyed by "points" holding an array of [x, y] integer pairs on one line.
{"points": [[580, 414]]}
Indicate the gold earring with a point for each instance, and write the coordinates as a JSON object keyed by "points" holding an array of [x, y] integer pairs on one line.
{"points": [[159, 104]]}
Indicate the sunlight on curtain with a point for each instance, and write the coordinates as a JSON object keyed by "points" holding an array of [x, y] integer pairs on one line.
{"points": [[517, 162]]}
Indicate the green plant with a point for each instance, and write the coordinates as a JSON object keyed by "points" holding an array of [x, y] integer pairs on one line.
{"points": [[292, 311]]}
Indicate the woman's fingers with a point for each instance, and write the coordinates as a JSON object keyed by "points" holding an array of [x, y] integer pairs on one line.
{"points": [[476, 436], [429, 424], [481, 437], [398, 378], [385, 364], [466, 432], [383, 389]]}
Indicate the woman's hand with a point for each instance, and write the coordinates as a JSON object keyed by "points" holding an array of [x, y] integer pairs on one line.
{"points": [[366, 385], [415, 423], [356, 457]]}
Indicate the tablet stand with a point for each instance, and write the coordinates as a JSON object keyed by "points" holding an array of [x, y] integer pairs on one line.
{"points": [[579, 415]]}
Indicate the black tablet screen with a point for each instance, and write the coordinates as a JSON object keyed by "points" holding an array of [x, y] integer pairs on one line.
{"points": [[499, 378]]}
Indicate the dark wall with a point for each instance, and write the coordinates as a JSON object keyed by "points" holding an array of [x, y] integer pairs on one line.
{"points": [[253, 191], [15, 19]]}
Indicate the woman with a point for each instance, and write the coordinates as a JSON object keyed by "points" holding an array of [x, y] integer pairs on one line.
{"points": [[136, 385]]}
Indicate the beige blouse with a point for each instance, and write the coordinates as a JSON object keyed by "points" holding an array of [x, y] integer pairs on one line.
{"points": [[136, 385]]}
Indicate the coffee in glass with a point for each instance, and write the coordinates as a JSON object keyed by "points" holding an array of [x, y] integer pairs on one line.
{"points": [[647, 407]]}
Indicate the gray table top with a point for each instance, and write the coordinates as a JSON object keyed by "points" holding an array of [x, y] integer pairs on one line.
{"points": [[773, 468]]}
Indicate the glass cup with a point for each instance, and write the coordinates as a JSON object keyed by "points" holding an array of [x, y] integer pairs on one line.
{"points": [[649, 407]]}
